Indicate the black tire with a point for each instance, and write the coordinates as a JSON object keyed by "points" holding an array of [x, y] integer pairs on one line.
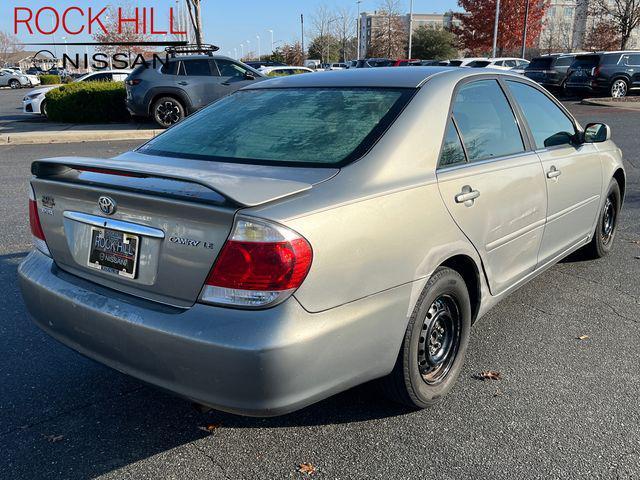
{"points": [[43, 109], [606, 228], [167, 111], [14, 84], [619, 88], [416, 380]]}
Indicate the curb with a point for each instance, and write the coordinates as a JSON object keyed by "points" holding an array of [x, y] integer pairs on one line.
{"points": [[35, 138], [603, 103]]}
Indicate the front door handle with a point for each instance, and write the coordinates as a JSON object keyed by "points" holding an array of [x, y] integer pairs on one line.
{"points": [[225, 83], [467, 196], [553, 172], [183, 83]]}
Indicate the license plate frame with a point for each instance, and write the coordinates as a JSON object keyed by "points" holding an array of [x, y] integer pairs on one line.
{"points": [[105, 255]]}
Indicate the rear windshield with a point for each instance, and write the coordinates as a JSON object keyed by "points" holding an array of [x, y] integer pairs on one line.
{"points": [[542, 63], [455, 63], [285, 126], [585, 61], [478, 63]]}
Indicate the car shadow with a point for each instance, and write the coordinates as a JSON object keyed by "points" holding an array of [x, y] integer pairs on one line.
{"points": [[85, 419]]}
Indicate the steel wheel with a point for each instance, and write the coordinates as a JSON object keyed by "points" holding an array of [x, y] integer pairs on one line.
{"points": [[440, 339], [619, 88], [608, 223], [168, 113]]}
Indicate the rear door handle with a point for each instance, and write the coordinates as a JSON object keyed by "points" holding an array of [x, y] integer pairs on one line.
{"points": [[225, 83], [467, 196], [553, 172], [183, 83]]}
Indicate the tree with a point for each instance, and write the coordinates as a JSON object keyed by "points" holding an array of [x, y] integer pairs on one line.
{"points": [[345, 31], [389, 38], [130, 32], [622, 15], [436, 44], [293, 54], [602, 37], [196, 19], [475, 31], [8, 47], [326, 48]]}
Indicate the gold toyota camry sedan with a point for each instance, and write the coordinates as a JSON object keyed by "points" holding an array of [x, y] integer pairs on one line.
{"points": [[310, 233]]}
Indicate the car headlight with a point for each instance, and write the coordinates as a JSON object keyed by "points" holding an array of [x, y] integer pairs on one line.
{"points": [[32, 96]]}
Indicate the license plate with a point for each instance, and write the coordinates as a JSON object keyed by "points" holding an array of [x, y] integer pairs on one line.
{"points": [[114, 252]]}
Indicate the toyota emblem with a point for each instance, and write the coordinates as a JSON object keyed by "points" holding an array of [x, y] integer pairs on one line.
{"points": [[107, 205]]}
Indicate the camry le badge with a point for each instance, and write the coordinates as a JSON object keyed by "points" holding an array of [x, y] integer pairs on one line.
{"points": [[107, 205]]}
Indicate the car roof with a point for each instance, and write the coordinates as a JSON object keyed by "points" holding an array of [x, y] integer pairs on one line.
{"points": [[389, 77]]}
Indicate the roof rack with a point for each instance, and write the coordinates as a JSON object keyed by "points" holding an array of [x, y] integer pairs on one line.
{"points": [[191, 48]]}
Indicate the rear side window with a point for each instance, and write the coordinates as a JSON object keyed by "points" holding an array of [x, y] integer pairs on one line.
{"points": [[543, 63], [548, 124], [564, 61], [196, 68], [170, 68], [485, 121], [632, 60], [99, 77], [305, 126], [586, 61], [481, 63], [452, 151]]}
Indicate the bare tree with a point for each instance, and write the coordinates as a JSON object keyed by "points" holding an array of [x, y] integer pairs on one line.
{"points": [[130, 32], [321, 22], [556, 35], [389, 37], [345, 31], [623, 14], [195, 15], [8, 47]]}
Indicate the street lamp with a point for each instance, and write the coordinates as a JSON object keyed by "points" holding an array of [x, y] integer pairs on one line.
{"points": [[235, 53], [248, 48], [495, 29], [241, 51], [259, 53], [271, 32], [329, 36], [410, 27], [358, 26]]}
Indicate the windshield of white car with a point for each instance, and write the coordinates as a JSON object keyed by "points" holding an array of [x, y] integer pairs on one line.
{"points": [[285, 126]]}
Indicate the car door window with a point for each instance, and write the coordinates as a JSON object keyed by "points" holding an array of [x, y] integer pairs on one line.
{"points": [[196, 68], [452, 151], [230, 69], [548, 123], [564, 61], [510, 63], [485, 121], [632, 60], [100, 77]]}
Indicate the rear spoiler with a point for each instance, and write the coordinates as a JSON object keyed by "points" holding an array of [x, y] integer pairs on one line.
{"points": [[241, 189]]}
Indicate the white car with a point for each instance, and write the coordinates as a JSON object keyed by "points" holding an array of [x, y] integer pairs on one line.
{"points": [[337, 66], [464, 62], [16, 79], [501, 63], [35, 101], [282, 71]]}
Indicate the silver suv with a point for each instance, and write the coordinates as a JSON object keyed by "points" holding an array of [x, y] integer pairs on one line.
{"points": [[183, 84]]}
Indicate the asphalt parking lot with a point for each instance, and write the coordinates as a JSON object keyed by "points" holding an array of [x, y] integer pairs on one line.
{"points": [[565, 407]]}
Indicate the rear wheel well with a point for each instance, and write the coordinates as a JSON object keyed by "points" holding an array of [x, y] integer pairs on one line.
{"points": [[158, 96], [468, 269], [619, 177]]}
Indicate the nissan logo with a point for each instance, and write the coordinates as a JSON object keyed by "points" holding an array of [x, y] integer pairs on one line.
{"points": [[107, 205]]}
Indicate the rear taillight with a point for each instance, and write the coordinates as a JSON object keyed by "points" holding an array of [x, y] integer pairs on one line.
{"points": [[133, 81], [595, 71], [260, 265], [36, 228]]}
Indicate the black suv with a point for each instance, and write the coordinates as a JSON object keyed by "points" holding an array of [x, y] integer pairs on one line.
{"points": [[183, 84], [550, 71], [609, 73]]}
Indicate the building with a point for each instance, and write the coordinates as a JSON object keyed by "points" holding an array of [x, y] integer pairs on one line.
{"points": [[370, 22], [27, 59], [566, 26]]}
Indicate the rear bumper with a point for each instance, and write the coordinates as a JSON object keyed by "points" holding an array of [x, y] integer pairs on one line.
{"points": [[259, 363]]}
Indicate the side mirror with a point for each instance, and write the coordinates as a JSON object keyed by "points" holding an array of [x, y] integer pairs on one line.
{"points": [[596, 133], [249, 76]]}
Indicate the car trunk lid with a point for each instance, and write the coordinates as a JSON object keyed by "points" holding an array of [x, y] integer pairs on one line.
{"points": [[170, 219]]}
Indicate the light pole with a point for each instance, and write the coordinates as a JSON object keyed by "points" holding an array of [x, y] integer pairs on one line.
{"points": [[410, 27], [241, 51], [271, 32], [358, 27], [235, 53], [329, 37], [248, 48], [524, 30], [259, 55], [495, 29]]}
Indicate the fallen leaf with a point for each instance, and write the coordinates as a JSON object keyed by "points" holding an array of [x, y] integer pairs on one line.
{"points": [[497, 393], [583, 337], [211, 427], [54, 438], [488, 375], [307, 468]]}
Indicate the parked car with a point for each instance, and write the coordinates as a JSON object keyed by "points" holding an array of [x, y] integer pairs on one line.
{"points": [[336, 66], [264, 63], [406, 62], [35, 101], [34, 71], [550, 71], [61, 72], [9, 78], [433, 63], [352, 63], [32, 79], [374, 62], [609, 73], [313, 64], [234, 259], [464, 62], [501, 63], [185, 83], [283, 71]]}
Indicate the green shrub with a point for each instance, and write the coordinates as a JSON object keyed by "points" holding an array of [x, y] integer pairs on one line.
{"points": [[50, 79], [88, 102]]}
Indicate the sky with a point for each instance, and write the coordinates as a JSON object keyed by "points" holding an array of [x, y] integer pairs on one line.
{"points": [[226, 24]]}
